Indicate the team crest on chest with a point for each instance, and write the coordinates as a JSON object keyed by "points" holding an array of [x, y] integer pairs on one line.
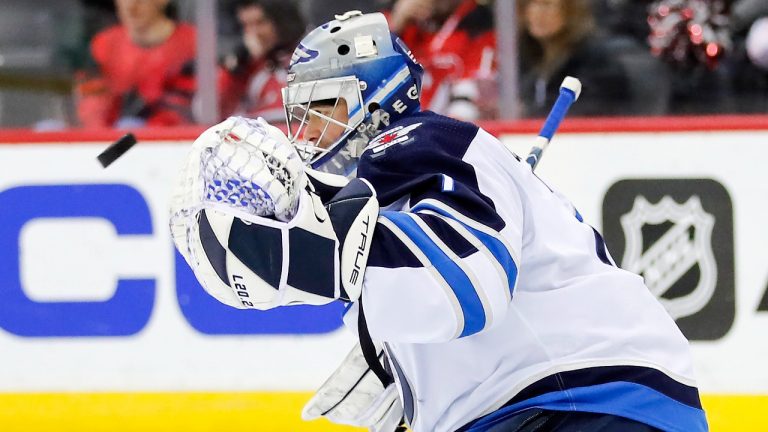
{"points": [[391, 137]]}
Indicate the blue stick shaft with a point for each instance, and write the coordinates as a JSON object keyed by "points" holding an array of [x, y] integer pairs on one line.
{"points": [[555, 117], [557, 114]]}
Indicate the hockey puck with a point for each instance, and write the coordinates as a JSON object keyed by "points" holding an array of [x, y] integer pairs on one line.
{"points": [[116, 149]]}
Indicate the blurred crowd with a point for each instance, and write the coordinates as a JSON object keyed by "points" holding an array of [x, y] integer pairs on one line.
{"points": [[131, 63]]}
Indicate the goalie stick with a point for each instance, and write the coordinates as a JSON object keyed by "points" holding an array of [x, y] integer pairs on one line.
{"points": [[569, 93]]}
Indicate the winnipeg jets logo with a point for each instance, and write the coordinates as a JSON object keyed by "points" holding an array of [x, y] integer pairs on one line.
{"points": [[302, 54], [391, 137], [684, 246]]}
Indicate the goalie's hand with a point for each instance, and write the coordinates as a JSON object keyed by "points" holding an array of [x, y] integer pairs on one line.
{"points": [[249, 165], [255, 234], [353, 395]]}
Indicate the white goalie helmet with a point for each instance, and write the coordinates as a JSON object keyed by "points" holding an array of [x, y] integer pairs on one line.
{"points": [[351, 64]]}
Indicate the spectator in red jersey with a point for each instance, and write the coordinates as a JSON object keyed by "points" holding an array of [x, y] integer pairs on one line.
{"points": [[251, 79], [455, 42], [142, 71]]}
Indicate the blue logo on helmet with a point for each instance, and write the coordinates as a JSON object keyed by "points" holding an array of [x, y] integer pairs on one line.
{"points": [[302, 54]]}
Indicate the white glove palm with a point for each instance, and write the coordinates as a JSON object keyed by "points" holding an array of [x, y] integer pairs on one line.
{"points": [[243, 164]]}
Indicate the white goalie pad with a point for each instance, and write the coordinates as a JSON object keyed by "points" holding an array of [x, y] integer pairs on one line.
{"points": [[353, 395]]}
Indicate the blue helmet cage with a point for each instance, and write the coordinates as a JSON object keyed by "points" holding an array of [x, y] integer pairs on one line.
{"points": [[357, 49]]}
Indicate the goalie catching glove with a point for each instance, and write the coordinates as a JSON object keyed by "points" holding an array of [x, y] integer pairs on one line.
{"points": [[246, 218]]}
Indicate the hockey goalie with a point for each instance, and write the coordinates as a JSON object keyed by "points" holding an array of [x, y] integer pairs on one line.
{"points": [[482, 300]]}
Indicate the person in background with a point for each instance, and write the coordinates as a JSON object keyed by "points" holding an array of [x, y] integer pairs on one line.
{"points": [[692, 37], [650, 79], [747, 68], [743, 13], [141, 72], [757, 52], [557, 39], [757, 43], [623, 18], [455, 42], [251, 78]]}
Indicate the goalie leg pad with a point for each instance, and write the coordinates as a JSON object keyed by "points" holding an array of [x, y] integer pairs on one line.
{"points": [[353, 395]]}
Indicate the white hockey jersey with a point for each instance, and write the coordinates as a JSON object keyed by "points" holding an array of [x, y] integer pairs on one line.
{"points": [[492, 295]]}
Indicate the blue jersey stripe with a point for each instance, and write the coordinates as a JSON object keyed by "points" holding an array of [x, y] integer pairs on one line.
{"points": [[471, 306], [500, 252], [494, 245], [645, 376], [621, 398]]}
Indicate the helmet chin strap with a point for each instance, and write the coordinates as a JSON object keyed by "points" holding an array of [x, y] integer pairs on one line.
{"points": [[366, 131]]}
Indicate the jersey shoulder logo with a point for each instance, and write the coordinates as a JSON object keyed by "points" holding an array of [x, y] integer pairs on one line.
{"points": [[396, 135]]}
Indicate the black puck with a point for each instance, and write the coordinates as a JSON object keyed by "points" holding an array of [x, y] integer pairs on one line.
{"points": [[116, 149]]}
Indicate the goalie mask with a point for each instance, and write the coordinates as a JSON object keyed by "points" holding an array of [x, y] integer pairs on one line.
{"points": [[347, 80]]}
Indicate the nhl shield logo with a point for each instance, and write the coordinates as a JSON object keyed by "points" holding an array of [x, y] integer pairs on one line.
{"points": [[684, 244], [678, 235]]}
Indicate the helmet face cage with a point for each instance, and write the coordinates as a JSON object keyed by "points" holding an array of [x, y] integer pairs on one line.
{"points": [[314, 101], [357, 59]]}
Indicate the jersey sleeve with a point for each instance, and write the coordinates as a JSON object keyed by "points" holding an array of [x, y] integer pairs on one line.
{"points": [[446, 266]]}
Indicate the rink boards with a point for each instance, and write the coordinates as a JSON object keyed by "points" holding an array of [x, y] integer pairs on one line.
{"points": [[102, 326]]}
